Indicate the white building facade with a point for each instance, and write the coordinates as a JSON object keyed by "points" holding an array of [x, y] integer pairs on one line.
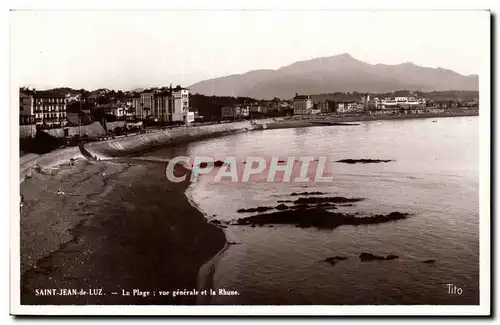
{"points": [[42, 108], [302, 105], [164, 105]]}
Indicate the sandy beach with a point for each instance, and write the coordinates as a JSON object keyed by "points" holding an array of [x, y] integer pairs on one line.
{"points": [[111, 225]]}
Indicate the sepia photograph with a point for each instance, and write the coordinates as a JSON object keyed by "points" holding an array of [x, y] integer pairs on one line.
{"points": [[250, 162]]}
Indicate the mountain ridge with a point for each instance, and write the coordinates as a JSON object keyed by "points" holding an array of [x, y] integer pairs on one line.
{"points": [[341, 73]]}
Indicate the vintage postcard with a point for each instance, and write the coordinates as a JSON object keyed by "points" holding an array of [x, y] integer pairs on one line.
{"points": [[250, 162]]}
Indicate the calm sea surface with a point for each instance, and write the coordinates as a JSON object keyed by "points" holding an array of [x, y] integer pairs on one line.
{"points": [[434, 176]]}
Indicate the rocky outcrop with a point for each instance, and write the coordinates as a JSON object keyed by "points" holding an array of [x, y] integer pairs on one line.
{"points": [[318, 218], [334, 199], [365, 257], [363, 161], [257, 209], [333, 260], [307, 193], [281, 207], [391, 257], [370, 257]]}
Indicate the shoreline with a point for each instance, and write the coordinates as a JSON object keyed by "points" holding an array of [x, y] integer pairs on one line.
{"points": [[117, 233], [49, 238], [335, 120], [64, 235], [207, 270]]}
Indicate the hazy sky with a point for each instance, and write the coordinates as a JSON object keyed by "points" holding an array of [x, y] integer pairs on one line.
{"points": [[128, 49]]}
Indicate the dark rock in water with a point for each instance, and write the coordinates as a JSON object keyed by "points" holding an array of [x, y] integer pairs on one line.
{"points": [[429, 261], [271, 226], [281, 207], [318, 218], [363, 161], [370, 257], [335, 259], [284, 201], [253, 225], [326, 205], [257, 209], [302, 206], [217, 163], [391, 257], [307, 193], [334, 199], [222, 226], [333, 123], [215, 221], [331, 260], [380, 218]]}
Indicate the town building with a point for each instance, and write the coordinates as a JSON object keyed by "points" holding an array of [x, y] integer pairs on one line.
{"points": [[302, 104], [117, 111], [234, 112], [146, 105], [44, 108], [471, 103], [26, 109], [245, 111], [435, 110], [137, 108], [164, 105], [399, 102], [349, 107], [255, 109], [73, 97], [180, 106], [326, 106]]}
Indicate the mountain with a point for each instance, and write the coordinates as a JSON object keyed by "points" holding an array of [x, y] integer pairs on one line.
{"points": [[339, 73]]}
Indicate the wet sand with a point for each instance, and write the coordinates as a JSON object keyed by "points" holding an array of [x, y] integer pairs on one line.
{"points": [[111, 225]]}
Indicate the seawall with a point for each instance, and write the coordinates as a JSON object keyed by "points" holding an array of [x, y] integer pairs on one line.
{"points": [[92, 130], [134, 144]]}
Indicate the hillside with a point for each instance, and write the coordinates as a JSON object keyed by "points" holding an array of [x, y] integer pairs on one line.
{"points": [[340, 73]]}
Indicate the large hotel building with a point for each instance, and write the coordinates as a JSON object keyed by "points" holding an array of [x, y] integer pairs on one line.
{"points": [[42, 108], [164, 105]]}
